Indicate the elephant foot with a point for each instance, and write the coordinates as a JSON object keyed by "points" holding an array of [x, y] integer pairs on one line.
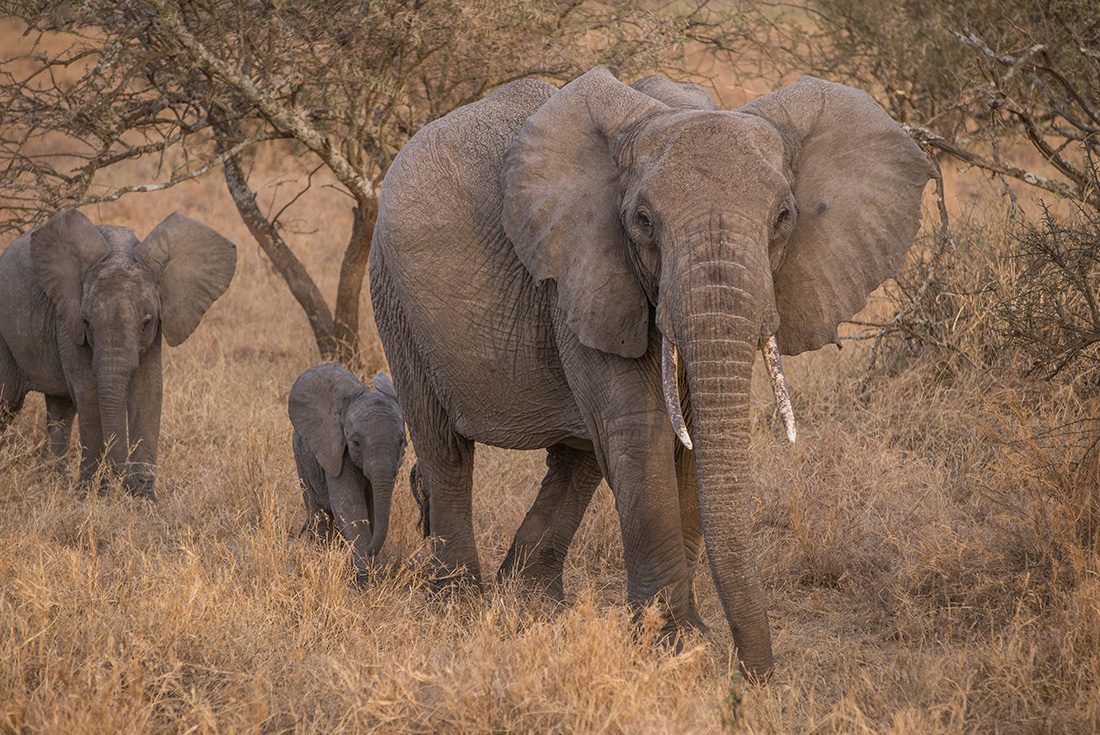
{"points": [[147, 495], [319, 526], [679, 629], [367, 572], [142, 489], [455, 581], [100, 484], [679, 635], [535, 570], [53, 464], [139, 482]]}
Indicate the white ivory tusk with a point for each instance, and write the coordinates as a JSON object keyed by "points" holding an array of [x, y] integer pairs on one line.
{"points": [[779, 386], [671, 389]]}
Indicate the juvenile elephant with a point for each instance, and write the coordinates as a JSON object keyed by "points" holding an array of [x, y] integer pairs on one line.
{"points": [[84, 311], [349, 443], [543, 256]]}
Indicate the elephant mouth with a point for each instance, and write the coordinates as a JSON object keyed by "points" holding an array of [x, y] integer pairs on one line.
{"points": [[670, 387]]}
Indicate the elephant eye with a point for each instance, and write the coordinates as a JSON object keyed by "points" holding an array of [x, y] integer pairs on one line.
{"points": [[146, 322], [783, 216], [644, 221]]}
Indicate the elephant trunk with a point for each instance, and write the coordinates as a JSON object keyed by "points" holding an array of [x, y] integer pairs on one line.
{"points": [[718, 310], [114, 370], [381, 480]]}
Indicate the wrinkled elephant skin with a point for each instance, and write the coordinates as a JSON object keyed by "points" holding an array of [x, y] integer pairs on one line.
{"points": [[535, 249]]}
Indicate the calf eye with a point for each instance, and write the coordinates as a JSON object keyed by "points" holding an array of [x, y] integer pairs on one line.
{"points": [[146, 323]]}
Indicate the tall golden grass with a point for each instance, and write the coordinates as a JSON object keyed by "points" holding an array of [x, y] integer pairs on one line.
{"points": [[921, 548]]}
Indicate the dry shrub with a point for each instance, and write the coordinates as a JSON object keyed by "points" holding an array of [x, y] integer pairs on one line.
{"points": [[1050, 489]]}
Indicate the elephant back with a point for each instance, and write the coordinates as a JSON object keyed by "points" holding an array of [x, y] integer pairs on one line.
{"points": [[452, 165]]}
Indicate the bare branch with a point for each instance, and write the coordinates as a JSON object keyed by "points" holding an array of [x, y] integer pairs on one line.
{"points": [[279, 116], [927, 137]]}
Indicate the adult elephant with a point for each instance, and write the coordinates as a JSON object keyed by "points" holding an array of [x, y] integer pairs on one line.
{"points": [[541, 254]]}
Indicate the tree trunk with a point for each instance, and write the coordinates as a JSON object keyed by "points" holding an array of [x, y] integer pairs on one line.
{"points": [[297, 279], [352, 271]]}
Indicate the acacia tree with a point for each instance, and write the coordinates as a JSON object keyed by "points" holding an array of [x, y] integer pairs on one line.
{"points": [[969, 78], [199, 84]]}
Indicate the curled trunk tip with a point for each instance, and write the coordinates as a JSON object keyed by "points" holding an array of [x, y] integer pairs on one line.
{"points": [[779, 386]]}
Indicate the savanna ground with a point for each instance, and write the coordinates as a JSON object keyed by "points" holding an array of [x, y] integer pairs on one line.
{"points": [[926, 548]]}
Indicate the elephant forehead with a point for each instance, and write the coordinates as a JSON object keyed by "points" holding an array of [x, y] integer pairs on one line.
{"points": [[709, 146], [114, 286], [121, 239], [373, 408]]}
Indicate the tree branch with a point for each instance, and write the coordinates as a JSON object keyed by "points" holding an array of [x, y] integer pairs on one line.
{"points": [[170, 22]]}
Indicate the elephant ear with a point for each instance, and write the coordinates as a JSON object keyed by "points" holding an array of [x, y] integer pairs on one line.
{"points": [[681, 95], [857, 179], [318, 400], [195, 265], [62, 250], [561, 208], [383, 383]]}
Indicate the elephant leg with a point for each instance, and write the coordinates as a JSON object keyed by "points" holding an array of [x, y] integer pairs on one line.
{"points": [[146, 397], [351, 511], [60, 412], [447, 464], [311, 476], [90, 429], [445, 458], [318, 521], [13, 387], [542, 541], [634, 442]]}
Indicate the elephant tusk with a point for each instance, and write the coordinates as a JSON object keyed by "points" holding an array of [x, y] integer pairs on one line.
{"points": [[671, 389], [779, 386]]}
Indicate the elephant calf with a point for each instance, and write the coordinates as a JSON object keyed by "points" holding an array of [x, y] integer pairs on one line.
{"points": [[84, 311], [349, 443]]}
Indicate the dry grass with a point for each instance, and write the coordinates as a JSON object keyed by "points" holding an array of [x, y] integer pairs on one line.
{"points": [[931, 565]]}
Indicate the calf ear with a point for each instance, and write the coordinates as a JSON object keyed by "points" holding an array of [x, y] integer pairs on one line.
{"points": [[383, 383], [318, 400], [62, 250], [194, 264]]}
